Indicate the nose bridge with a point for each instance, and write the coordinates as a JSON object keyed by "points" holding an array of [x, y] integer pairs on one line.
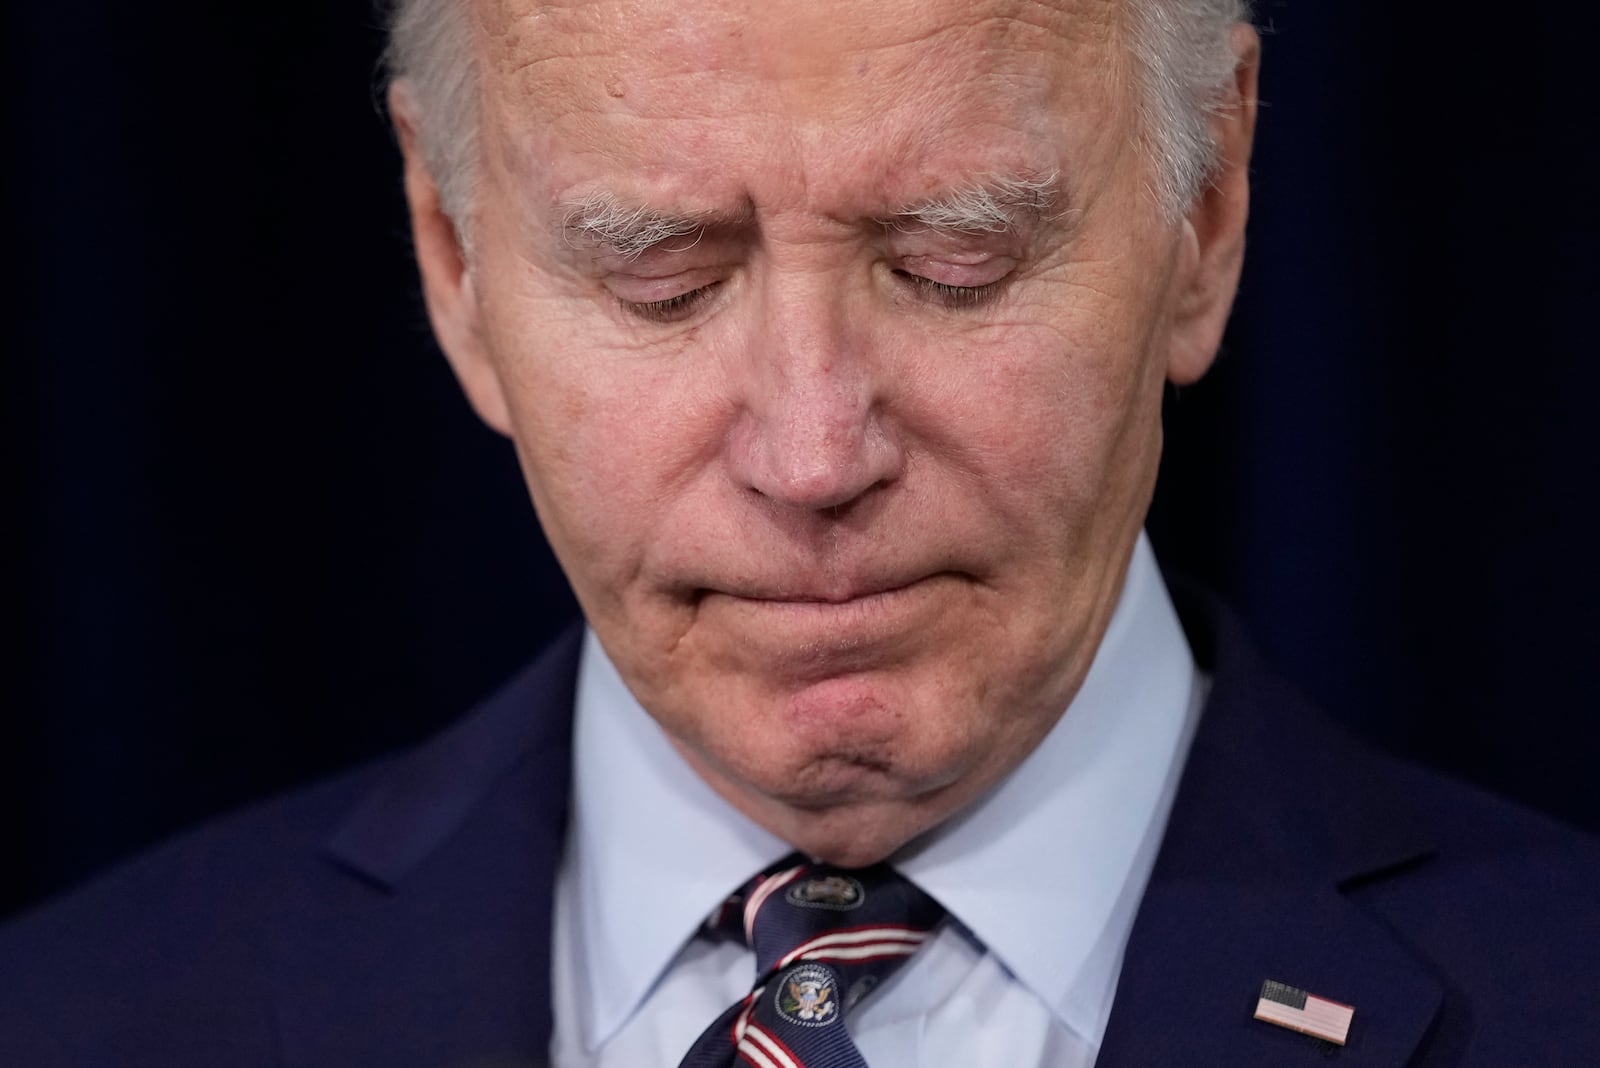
{"points": [[808, 362], [815, 436]]}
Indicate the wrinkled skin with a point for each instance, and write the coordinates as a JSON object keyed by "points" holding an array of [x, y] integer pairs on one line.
{"points": [[850, 537]]}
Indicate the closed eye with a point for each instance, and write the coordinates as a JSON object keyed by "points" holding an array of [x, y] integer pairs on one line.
{"points": [[671, 310], [955, 298]]}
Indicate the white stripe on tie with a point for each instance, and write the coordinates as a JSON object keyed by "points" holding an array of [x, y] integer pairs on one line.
{"points": [[885, 935], [881, 949], [750, 1053], [759, 896], [742, 1021], [770, 1051]]}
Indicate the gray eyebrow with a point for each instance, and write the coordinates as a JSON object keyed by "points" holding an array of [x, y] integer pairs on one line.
{"points": [[629, 230], [993, 205], [990, 206]]}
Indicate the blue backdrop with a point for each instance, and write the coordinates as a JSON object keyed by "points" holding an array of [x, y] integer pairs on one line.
{"points": [[256, 534]]}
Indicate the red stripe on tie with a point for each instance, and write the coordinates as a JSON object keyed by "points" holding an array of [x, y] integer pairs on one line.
{"points": [[752, 1054], [759, 895], [868, 953], [742, 1019], [868, 934], [775, 1048]]}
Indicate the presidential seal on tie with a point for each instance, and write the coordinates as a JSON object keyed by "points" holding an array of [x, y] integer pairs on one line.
{"points": [[805, 997]]}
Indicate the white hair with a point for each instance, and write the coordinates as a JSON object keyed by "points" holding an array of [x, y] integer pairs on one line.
{"points": [[1181, 49], [990, 207], [1184, 53], [431, 50], [629, 231]]}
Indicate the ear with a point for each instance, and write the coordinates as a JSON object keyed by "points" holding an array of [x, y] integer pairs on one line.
{"points": [[1213, 230], [447, 285]]}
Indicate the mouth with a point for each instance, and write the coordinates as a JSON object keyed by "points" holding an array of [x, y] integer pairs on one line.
{"points": [[845, 596], [810, 619], [821, 595], [795, 638]]}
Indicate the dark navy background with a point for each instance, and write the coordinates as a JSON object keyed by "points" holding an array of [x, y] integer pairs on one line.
{"points": [[255, 534]]}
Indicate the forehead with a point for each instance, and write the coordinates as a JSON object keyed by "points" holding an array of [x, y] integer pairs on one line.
{"points": [[824, 99]]}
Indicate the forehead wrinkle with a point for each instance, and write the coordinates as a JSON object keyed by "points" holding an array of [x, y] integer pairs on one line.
{"points": [[566, 88], [519, 38], [524, 34], [994, 26], [620, 38]]}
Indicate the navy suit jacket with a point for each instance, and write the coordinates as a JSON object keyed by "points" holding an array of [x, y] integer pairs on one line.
{"points": [[400, 916]]}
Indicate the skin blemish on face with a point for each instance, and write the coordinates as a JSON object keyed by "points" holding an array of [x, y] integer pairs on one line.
{"points": [[616, 87]]}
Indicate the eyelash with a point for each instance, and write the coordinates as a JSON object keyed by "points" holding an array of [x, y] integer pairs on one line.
{"points": [[956, 298], [953, 297], [672, 309]]}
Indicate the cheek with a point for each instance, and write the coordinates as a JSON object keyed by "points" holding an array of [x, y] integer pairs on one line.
{"points": [[1039, 413], [611, 439]]}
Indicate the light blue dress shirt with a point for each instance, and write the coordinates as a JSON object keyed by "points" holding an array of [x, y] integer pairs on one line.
{"points": [[1042, 876]]}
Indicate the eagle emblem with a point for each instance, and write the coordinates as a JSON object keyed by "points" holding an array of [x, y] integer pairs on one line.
{"points": [[806, 997]]}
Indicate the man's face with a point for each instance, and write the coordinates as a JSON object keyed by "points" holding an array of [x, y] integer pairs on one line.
{"points": [[846, 458]]}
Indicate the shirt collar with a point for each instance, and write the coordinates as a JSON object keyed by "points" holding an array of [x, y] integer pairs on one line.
{"points": [[1047, 870], [1094, 794], [648, 874]]}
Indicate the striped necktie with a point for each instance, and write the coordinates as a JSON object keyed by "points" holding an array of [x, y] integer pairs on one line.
{"points": [[823, 939]]}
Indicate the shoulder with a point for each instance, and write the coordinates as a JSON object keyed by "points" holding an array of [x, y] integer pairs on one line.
{"points": [[353, 897], [1463, 928], [177, 934], [1504, 909]]}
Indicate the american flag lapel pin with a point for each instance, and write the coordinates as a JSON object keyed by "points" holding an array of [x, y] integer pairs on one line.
{"points": [[1297, 1010]]}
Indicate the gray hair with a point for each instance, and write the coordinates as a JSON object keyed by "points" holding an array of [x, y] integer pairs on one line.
{"points": [[1186, 59], [630, 232], [989, 208], [1180, 47]]}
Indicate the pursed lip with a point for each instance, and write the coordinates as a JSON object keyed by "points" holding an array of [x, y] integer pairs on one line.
{"points": [[846, 597], [845, 594], [807, 635]]}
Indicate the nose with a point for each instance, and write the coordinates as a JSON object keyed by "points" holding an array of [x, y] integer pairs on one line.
{"points": [[813, 433]]}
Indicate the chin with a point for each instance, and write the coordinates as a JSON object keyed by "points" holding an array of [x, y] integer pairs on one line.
{"points": [[852, 837], [850, 809]]}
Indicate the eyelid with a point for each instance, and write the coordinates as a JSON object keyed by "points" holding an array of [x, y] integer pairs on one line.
{"points": [[634, 285], [949, 271], [949, 296], [671, 309]]}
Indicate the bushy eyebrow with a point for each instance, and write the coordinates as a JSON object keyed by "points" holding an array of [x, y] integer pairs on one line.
{"points": [[991, 206], [630, 230]]}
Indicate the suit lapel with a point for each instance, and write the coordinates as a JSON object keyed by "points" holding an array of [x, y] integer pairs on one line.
{"points": [[1277, 813], [1199, 954], [429, 944]]}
